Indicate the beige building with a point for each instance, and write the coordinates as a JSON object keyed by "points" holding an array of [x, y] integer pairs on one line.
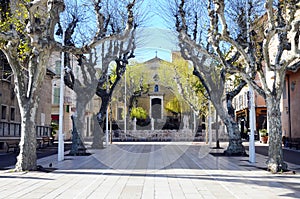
{"points": [[69, 106], [10, 114], [155, 101], [55, 64]]}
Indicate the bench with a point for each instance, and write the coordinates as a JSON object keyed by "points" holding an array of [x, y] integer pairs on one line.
{"points": [[12, 144], [294, 142], [46, 141]]}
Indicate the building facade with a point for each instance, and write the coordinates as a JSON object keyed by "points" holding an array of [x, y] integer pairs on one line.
{"points": [[241, 105], [69, 100], [10, 114], [290, 105]]}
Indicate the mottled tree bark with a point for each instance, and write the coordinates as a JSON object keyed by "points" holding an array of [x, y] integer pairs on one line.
{"points": [[27, 157], [235, 145], [100, 119], [98, 134], [275, 160]]}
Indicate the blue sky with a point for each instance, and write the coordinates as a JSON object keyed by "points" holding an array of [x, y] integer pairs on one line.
{"points": [[155, 38], [155, 41]]}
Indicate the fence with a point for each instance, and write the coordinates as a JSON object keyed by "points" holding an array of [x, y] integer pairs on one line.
{"points": [[13, 130], [155, 135]]}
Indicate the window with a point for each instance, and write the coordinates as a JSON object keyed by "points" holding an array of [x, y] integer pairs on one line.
{"points": [[3, 112], [56, 96], [87, 126], [12, 113], [246, 99], [240, 101], [156, 88], [57, 68], [68, 108]]}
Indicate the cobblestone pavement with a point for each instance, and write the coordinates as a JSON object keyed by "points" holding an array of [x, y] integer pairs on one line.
{"points": [[152, 170]]}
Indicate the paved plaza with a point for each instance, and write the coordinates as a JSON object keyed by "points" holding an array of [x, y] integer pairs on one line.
{"points": [[152, 170]]}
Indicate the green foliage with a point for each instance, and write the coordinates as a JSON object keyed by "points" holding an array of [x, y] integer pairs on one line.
{"points": [[136, 75], [113, 72], [23, 49], [16, 20], [198, 88], [138, 113], [173, 106], [194, 92], [263, 132], [54, 127]]}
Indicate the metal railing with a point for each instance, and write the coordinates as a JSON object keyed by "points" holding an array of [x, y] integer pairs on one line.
{"points": [[8, 129], [13, 130]]}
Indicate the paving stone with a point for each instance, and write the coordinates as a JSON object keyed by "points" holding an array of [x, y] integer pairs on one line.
{"points": [[151, 170]]}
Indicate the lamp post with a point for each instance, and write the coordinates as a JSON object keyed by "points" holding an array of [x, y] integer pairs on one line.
{"points": [[110, 124], [125, 111], [252, 125], [61, 105], [209, 124], [251, 101], [106, 124]]}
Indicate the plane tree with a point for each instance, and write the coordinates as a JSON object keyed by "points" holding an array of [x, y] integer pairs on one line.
{"points": [[105, 90], [118, 51], [27, 38], [207, 67], [269, 48], [189, 86], [262, 38]]}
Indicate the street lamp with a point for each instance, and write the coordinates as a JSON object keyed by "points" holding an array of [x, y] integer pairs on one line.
{"points": [[252, 125], [61, 105], [125, 111], [251, 100], [106, 124]]}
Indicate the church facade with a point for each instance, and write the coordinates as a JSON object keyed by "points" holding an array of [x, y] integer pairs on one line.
{"points": [[154, 100]]}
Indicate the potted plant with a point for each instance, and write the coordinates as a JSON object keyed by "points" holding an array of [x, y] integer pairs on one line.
{"points": [[263, 136]]}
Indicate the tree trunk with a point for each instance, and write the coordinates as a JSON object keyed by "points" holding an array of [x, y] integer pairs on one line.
{"points": [[26, 159], [98, 134], [80, 111], [100, 119], [28, 104], [78, 147], [275, 161], [235, 146]]}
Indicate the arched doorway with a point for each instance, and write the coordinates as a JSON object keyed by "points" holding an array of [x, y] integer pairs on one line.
{"points": [[156, 108]]}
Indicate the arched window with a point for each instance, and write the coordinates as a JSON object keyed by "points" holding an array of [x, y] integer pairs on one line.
{"points": [[156, 88]]}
